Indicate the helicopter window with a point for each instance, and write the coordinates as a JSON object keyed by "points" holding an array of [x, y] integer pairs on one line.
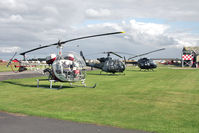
{"points": [[58, 68], [69, 68], [120, 64], [77, 59], [151, 61]]}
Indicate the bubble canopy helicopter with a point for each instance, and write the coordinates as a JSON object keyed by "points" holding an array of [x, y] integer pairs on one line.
{"points": [[145, 63], [66, 67]]}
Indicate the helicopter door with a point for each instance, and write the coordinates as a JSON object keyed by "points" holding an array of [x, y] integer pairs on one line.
{"points": [[109, 66]]}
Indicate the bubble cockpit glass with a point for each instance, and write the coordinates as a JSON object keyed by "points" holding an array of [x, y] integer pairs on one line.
{"points": [[69, 67]]}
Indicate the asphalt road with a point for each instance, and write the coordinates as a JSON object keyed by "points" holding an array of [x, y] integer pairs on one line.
{"points": [[18, 123], [12, 75]]}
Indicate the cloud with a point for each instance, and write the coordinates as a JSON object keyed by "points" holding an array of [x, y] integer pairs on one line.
{"points": [[13, 5], [15, 18], [27, 24], [139, 37], [9, 49], [140, 33], [149, 33], [148, 28], [51, 10], [93, 13], [178, 10]]}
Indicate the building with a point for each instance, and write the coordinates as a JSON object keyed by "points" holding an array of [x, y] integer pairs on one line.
{"points": [[190, 56]]}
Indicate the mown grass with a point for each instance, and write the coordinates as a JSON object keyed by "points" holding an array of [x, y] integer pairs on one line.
{"points": [[164, 101], [4, 68]]}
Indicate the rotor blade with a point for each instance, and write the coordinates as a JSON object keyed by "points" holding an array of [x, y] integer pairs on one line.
{"points": [[125, 53], [124, 60], [11, 59], [59, 43], [115, 54], [112, 53], [106, 34], [147, 53], [38, 48], [82, 55]]}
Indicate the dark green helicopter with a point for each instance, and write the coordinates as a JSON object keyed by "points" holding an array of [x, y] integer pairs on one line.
{"points": [[107, 64], [145, 63]]}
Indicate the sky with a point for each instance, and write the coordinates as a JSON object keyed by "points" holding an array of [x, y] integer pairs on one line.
{"points": [[148, 25]]}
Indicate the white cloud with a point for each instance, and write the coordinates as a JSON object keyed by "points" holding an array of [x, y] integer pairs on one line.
{"points": [[98, 13], [151, 34], [109, 26], [9, 49], [16, 18], [51, 10], [143, 36], [187, 40], [174, 10], [13, 5], [147, 34], [27, 24], [148, 28]]}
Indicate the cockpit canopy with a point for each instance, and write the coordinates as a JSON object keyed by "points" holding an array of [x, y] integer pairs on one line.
{"points": [[69, 67], [74, 57]]}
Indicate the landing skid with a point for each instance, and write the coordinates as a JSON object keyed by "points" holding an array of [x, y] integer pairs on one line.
{"points": [[60, 87], [51, 84], [83, 86], [147, 70], [109, 73]]}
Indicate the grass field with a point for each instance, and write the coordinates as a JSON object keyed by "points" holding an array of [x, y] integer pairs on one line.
{"points": [[4, 68], [164, 101]]}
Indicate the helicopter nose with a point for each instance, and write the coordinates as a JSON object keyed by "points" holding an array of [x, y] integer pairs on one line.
{"points": [[123, 68]]}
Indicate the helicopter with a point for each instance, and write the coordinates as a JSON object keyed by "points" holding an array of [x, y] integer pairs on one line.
{"points": [[145, 63], [66, 67], [107, 64]]}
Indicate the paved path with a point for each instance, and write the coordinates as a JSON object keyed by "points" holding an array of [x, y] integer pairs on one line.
{"points": [[16, 123], [12, 75]]}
